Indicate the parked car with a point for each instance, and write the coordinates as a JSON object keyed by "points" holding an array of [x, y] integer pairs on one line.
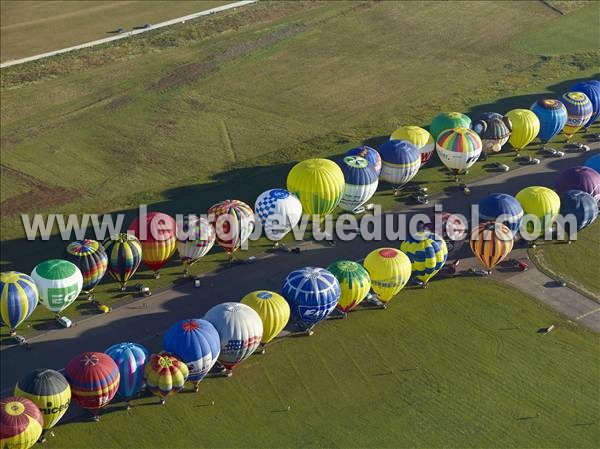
{"points": [[552, 152], [64, 321], [500, 166]]}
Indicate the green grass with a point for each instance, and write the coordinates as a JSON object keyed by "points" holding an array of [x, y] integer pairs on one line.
{"points": [[459, 364]]}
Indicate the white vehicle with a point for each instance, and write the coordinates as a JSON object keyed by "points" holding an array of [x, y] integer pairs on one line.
{"points": [[500, 166], [533, 161], [64, 321], [19, 339]]}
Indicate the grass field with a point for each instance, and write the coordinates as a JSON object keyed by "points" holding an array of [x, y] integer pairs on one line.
{"points": [[32, 27], [459, 364]]}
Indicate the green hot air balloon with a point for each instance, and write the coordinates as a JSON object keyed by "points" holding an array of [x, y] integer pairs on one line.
{"points": [[59, 283]]}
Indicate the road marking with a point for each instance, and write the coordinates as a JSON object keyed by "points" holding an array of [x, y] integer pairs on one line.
{"points": [[588, 314]]}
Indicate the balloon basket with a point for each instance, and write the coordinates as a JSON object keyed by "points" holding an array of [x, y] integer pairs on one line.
{"points": [[162, 401], [123, 288], [156, 275]]}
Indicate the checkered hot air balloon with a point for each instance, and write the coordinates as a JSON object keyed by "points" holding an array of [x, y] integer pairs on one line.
{"points": [[389, 270], [59, 283], [579, 111], [130, 359], [427, 253], [90, 257], [370, 154], [355, 283], [233, 221], [124, 252], [360, 182], [20, 423], [401, 161], [195, 238], [165, 375], [491, 242], [278, 211], [419, 137], [18, 298], [157, 233]]}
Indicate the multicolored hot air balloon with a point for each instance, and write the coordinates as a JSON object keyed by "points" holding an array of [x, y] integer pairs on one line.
{"points": [[370, 154], [491, 242], [581, 205], [540, 202], [419, 137], [165, 375], [400, 162], [124, 252], [494, 131], [20, 423], [59, 283], [195, 238], [591, 89], [278, 211], [552, 115], [355, 283], [458, 149], [319, 184], [525, 128], [501, 205], [579, 111], [196, 342], [94, 379], [389, 270], [233, 221], [90, 257], [157, 233], [273, 309], [49, 390], [579, 178], [593, 162], [448, 120], [427, 253], [312, 294], [451, 227], [130, 359], [240, 329], [18, 298], [361, 182]]}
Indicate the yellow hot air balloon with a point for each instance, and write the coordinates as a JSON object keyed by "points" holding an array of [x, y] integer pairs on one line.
{"points": [[273, 309], [525, 127], [354, 283], [390, 270], [541, 202], [491, 242], [319, 184], [419, 137]]}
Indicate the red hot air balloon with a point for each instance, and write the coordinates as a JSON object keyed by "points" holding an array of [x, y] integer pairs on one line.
{"points": [[21, 423], [94, 379], [158, 235]]}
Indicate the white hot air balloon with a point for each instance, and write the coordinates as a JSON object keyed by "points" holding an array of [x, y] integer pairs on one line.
{"points": [[278, 211], [59, 283], [361, 182], [195, 238]]}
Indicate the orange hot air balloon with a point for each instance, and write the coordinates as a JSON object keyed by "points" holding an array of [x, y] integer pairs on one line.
{"points": [[157, 232], [491, 242]]}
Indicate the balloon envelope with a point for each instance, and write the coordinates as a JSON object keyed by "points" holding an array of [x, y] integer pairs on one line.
{"points": [[165, 374], [525, 127], [581, 205], [370, 154], [18, 298], [427, 253], [94, 379], [389, 270], [90, 257], [361, 182], [593, 162], [59, 283], [195, 238], [579, 178], [130, 359], [20, 423], [419, 137], [278, 211], [491, 242], [552, 115], [355, 283], [494, 131], [591, 89], [157, 233], [579, 111], [496, 205], [451, 227], [448, 120], [273, 309], [233, 221], [541, 202], [400, 161], [124, 252], [459, 148]]}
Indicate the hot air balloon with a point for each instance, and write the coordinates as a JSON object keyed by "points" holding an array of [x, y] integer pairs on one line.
{"points": [[552, 115], [157, 233], [451, 227], [195, 238], [361, 182], [389, 270], [370, 154], [319, 184], [494, 131], [400, 162], [448, 120], [491, 242], [579, 178], [419, 137], [355, 283], [165, 375], [593, 162], [525, 128], [130, 359], [273, 309], [427, 253], [124, 252], [20, 423], [496, 205], [59, 283], [458, 149], [195, 342], [591, 89], [579, 111], [278, 211], [50, 391], [94, 379], [581, 205], [18, 298], [90, 257], [233, 221], [240, 330], [541, 202], [312, 294]]}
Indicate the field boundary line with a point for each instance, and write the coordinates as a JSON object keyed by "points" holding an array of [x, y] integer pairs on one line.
{"points": [[127, 34]]}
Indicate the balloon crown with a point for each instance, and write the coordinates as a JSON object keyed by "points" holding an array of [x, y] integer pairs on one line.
{"points": [[356, 161], [388, 253], [279, 194], [89, 359], [264, 295], [190, 325]]}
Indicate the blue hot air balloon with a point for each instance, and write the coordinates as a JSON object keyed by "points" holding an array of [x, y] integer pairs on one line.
{"points": [[496, 204], [400, 162], [361, 182], [312, 294], [592, 89], [593, 162], [370, 154], [18, 298], [197, 343], [130, 359], [580, 204], [553, 117]]}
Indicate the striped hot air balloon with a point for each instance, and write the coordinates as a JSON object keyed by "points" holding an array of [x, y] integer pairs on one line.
{"points": [[504, 206], [579, 111], [273, 310], [165, 375], [59, 283], [540, 202], [20, 423], [494, 130], [90, 257], [419, 137], [389, 270], [355, 283], [401, 161], [18, 298], [581, 178], [130, 359], [233, 221], [491, 242], [360, 182], [448, 120], [124, 252], [552, 115], [525, 128], [370, 154], [278, 211], [591, 88], [458, 149], [157, 233], [195, 239], [581, 205], [427, 253]]}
